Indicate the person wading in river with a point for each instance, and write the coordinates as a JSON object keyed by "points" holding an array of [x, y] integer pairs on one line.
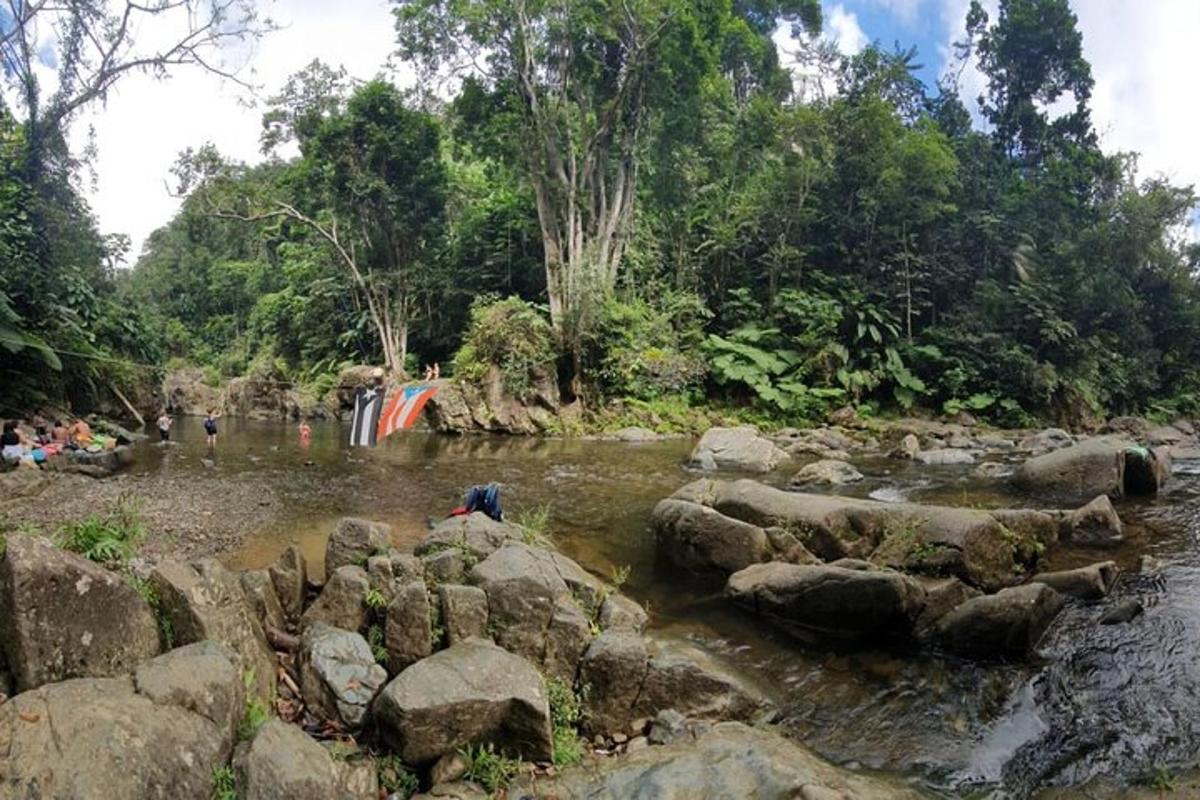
{"points": [[210, 428]]}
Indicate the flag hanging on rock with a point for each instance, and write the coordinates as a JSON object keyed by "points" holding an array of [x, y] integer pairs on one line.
{"points": [[368, 405], [403, 409]]}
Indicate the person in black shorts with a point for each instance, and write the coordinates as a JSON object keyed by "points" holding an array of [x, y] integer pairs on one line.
{"points": [[210, 428], [164, 426]]}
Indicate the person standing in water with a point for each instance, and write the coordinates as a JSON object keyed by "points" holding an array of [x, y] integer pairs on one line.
{"points": [[210, 428], [164, 426], [305, 433]]}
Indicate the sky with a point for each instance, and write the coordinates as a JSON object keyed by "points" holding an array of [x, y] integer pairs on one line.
{"points": [[1140, 50]]}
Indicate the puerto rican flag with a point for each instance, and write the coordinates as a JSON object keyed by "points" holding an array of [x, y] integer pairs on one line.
{"points": [[403, 409]]}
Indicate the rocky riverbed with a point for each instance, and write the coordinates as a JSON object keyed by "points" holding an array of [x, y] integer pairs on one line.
{"points": [[1004, 725]]}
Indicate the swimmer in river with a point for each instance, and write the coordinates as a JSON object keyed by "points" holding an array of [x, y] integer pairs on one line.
{"points": [[305, 433]]}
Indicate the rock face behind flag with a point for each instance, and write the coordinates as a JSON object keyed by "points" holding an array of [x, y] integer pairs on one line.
{"points": [[488, 407]]}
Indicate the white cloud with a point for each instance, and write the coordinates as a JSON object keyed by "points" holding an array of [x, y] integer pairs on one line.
{"points": [[1143, 62], [844, 30], [904, 10], [145, 123]]}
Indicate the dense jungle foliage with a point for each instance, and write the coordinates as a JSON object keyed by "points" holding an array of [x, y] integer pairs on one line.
{"points": [[640, 199]]}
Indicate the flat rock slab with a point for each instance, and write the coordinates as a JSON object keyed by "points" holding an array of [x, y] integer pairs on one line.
{"points": [[102, 738], [338, 674], [62, 616], [730, 761], [283, 762]]}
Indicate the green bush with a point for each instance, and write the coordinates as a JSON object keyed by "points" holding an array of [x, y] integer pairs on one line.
{"points": [[512, 335], [489, 769], [648, 351], [107, 538], [565, 713]]}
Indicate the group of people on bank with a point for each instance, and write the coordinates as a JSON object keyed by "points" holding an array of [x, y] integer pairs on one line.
{"points": [[19, 445]]}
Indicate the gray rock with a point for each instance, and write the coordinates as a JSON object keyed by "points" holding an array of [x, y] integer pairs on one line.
{"points": [[355, 540], [204, 678], [699, 538], [464, 612], [829, 472], [342, 603], [1008, 623], [1087, 583], [668, 726], [408, 633], [471, 693], [204, 600], [260, 593], [1095, 524], [1122, 612], [942, 595], [637, 435], [98, 738], [614, 669], [475, 535], [456, 790], [281, 761], [908, 448], [338, 674], [445, 566], [1047, 440], [567, 637], [61, 616], [619, 613], [731, 760], [992, 470], [289, 574], [736, 448], [992, 441], [836, 601], [945, 456], [524, 586], [1102, 466]]}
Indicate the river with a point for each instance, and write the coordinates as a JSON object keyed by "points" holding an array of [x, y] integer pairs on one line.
{"points": [[1118, 702]]}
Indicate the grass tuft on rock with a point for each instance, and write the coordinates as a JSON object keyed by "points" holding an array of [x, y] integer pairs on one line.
{"points": [[395, 778], [489, 769], [223, 787], [565, 713], [108, 538]]}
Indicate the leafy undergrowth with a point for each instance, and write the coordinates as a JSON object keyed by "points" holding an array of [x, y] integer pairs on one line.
{"points": [[109, 537]]}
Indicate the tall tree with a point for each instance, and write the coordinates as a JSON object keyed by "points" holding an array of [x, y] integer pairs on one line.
{"points": [[588, 77]]}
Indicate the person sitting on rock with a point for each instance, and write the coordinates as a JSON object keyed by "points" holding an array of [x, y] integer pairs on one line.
{"points": [[81, 433], [41, 429], [12, 442], [60, 434]]}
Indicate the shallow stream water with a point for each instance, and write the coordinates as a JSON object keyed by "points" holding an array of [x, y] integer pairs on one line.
{"points": [[1113, 702]]}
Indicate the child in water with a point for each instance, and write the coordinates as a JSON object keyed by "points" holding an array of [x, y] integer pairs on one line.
{"points": [[210, 428], [305, 433]]}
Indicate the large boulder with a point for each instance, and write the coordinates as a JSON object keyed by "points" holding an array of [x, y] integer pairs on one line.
{"points": [[736, 448], [699, 538], [62, 616], [731, 760], [1008, 623], [355, 540], [1095, 524], [471, 693], [830, 600], [408, 633], [203, 678], [488, 406], [938, 540], [101, 738], [203, 600], [342, 602], [185, 392], [282, 761], [338, 674], [1105, 465], [1092, 582]]}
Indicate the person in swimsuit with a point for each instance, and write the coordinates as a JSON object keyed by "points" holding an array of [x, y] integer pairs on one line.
{"points": [[62, 436], [164, 426], [210, 428], [81, 433], [305, 433], [41, 429]]}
